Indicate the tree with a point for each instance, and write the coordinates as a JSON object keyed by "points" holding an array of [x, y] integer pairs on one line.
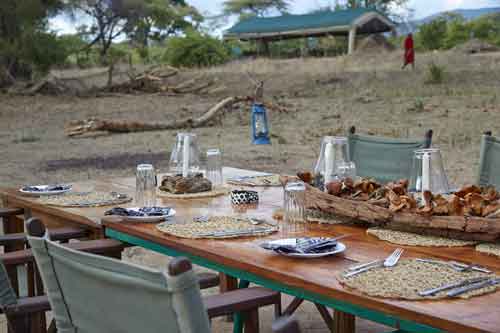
{"points": [[431, 35], [25, 44], [107, 22], [387, 7], [248, 8], [158, 19]]}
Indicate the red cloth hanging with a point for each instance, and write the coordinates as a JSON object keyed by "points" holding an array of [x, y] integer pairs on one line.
{"points": [[409, 50]]}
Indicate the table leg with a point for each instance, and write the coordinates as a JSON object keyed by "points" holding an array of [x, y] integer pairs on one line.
{"points": [[252, 321], [227, 283], [343, 322]]}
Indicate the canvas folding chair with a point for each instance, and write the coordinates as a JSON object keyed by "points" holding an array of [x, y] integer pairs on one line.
{"points": [[91, 293], [489, 161], [385, 159]]}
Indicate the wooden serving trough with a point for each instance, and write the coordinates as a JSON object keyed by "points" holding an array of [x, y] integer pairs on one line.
{"points": [[456, 227]]}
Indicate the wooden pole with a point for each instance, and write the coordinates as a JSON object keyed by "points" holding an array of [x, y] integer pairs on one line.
{"points": [[352, 40]]}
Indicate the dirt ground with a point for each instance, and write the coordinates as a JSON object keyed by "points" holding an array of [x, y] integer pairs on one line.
{"points": [[324, 97]]}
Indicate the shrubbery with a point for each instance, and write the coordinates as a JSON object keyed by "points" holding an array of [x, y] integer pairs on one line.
{"points": [[450, 30], [196, 50]]}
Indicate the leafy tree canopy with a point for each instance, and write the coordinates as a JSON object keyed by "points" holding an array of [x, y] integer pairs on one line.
{"points": [[248, 8]]}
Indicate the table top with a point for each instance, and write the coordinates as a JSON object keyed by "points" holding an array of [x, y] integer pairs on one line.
{"points": [[91, 216], [479, 314]]}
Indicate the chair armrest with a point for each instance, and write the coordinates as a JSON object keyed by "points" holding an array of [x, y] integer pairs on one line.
{"points": [[59, 234], [105, 247], [286, 325], [240, 300], [16, 258], [27, 305], [9, 212], [208, 280]]}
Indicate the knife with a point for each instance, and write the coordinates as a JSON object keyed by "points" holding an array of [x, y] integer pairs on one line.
{"points": [[471, 267], [475, 286], [368, 264], [365, 269], [455, 264], [461, 284]]}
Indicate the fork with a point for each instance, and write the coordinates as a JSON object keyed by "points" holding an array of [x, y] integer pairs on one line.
{"points": [[390, 261], [393, 259]]}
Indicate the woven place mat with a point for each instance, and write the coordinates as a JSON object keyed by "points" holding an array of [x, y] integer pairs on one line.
{"points": [[215, 192], [92, 199], [272, 180], [411, 239], [408, 277], [196, 230], [489, 248]]}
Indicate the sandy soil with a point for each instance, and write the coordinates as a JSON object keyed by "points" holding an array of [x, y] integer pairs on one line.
{"points": [[324, 96]]}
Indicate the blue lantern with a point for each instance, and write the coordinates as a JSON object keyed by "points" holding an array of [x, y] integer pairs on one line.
{"points": [[260, 127]]}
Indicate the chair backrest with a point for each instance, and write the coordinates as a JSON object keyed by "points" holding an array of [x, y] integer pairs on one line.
{"points": [[385, 159], [90, 293], [8, 295], [489, 161]]}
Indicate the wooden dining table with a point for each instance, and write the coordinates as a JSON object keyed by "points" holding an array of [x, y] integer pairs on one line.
{"points": [[312, 279]]}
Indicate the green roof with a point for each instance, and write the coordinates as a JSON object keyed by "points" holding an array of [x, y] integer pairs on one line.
{"points": [[288, 23]]}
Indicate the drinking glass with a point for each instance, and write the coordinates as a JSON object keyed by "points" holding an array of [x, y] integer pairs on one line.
{"points": [[214, 166], [346, 170], [334, 151], [427, 173], [185, 156], [294, 206], [145, 186]]}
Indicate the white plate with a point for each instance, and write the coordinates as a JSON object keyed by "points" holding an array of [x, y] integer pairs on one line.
{"points": [[292, 241], [45, 192], [148, 219]]}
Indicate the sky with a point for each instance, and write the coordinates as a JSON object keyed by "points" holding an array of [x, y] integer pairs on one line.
{"points": [[421, 8]]}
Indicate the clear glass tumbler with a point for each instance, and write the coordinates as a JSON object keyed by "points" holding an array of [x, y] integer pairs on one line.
{"points": [[145, 186], [214, 166], [346, 170], [334, 151], [428, 172], [295, 210]]}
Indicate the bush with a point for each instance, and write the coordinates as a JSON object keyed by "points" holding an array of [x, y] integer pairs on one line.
{"points": [[435, 74], [431, 35], [196, 50]]}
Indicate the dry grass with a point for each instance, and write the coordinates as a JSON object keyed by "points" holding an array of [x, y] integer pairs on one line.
{"points": [[326, 96]]}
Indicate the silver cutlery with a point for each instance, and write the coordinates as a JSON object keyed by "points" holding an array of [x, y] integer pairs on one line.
{"points": [[390, 261], [360, 266], [393, 259], [472, 267], [475, 286], [433, 291], [459, 267]]}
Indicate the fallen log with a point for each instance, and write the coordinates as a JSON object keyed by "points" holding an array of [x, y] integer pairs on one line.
{"points": [[457, 227], [78, 128]]}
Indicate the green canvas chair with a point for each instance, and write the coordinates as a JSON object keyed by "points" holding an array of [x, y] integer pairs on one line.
{"points": [[489, 161], [385, 159], [90, 293]]}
